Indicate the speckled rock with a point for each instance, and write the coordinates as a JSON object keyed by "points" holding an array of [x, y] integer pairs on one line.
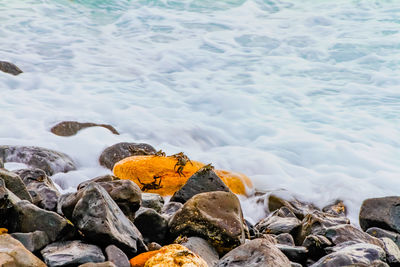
{"points": [[151, 225], [381, 212], [204, 180], [71, 253], [117, 256], [13, 253], [257, 252], [33, 241], [119, 151], [37, 157], [214, 216], [202, 248], [69, 128], [10, 68], [15, 184]]}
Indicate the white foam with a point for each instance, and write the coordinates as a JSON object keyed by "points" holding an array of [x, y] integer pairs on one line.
{"points": [[298, 95]]}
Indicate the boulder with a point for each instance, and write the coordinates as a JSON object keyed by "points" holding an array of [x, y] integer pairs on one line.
{"points": [[202, 248], [152, 201], [71, 253], [204, 180], [119, 151], [392, 251], [151, 225], [350, 254], [381, 212], [41, 188], [33, 241], [117, 256], [13, 253], [214, 216], [69, 128], [175, 255], [275, 224], [37, 157], [15, 184], [285, 239], [257, 252], [379, 233], [10, 68], [102, 222], [346, 232]]}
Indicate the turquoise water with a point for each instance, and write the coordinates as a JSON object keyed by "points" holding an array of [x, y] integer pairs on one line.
{"points": [[299, 95]]}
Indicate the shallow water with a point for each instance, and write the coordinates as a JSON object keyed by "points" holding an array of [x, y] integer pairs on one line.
{"points": [[298, 95]]}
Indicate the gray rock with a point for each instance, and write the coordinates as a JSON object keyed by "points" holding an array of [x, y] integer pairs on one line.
{"points": [[392, 251], [71, 253], [152, 201], [316, 245], [299, 208], [48, 160], [151, 225], [285, 239], [117, 256], [381, 212], [10, 68], [346, 232], [13, 253], [275, 224], [15, 184], [33, 241], [171, 208], [296, 254], [337, 208], [295, 264], [353, 255], [378, 232], [204, 180], [100, 264], [214, 216], [7, 201], [257, 252], [119, 151], [69, 128], [60, 203], [100, 219], [202, 248], [41, 188], [102, 178]]}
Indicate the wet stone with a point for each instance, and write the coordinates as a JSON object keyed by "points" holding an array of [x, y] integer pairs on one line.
{"points": [[69, 128], [9, 68], [151, 225], [117, 256]]}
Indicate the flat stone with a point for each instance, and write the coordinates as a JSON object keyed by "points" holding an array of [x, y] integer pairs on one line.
{"points": [[33, 241], [117, 256], [15, 184], [10, 68], [204, 180], [257, 252], [13, 253], [119, 151], [69, 128], [71, 253], [202, 248], [37, 157]]}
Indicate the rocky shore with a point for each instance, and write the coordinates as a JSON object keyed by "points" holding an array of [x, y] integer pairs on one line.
{"points": [[111, 221]]}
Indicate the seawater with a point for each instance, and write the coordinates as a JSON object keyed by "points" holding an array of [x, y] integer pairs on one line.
{"points": [[301, 96]]}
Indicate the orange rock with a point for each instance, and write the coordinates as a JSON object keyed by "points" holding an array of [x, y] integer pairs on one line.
{"points": [[158, 170], [140, 260], [175, 255], [3, 231]]}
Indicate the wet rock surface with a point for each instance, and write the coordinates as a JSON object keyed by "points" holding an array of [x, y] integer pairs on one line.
{"points": [[69, 128], [10, 68], [15, 184], [204, 180], [71, 253], [215, 216], [119, 151], [48, 160]]}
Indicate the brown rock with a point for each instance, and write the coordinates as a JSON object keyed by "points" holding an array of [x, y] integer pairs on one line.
{"points": [[69, 128], [13, 253], [10, 68]]}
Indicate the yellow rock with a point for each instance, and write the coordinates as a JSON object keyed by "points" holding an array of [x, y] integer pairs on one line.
{"points": [[174, 256], [3, 231], [158, 174]]}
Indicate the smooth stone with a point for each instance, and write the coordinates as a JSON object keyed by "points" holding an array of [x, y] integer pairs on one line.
{"points": [[285, 239], [296, 254], [348, 254], [13, 253], [257, 252], [71, 253], [119, 151], [202, 248], [152, 201], [214, 216], [69, 128], [37, 157], [152, 226], [102, 222], [381, 212], [204, 180], [346, 232], [14, 183], [9, 68], [117, 256], [392, 252], [378, 232], [274, 224], [32, 241], [41, 188]]}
